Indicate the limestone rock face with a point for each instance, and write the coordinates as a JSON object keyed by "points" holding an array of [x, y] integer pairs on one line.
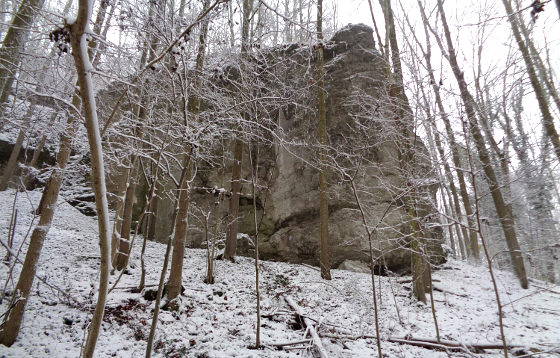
{"points": [[356, 86]]}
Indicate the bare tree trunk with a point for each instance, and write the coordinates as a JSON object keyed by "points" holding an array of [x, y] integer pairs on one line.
{"points": [[83, 65], [10, 327], [254, 173], [123, 243], [433, 137], [547, 119], [233, 215], [158, 300], [12, 162], [323, 198], [371, 261], [176, 274], [402, 112], [15, 37], [478, 226], [504, 213]]}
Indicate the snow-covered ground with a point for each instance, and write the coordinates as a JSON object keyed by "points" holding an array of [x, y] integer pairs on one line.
{"points": [[219, 320]]}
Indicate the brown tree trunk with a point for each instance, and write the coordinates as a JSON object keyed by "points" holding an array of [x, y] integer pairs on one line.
{"points": [[11, 325], [123, 242], [12, 162], [322, 128], [403, 116], [82, 63], [233, 215], [180, 230], [504, 213], [181, 221], [15, 37]]}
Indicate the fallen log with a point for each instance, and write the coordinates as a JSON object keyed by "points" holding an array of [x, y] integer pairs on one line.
{"points": [[439, 289], [448, 345], [427, 345], [309, 326]]}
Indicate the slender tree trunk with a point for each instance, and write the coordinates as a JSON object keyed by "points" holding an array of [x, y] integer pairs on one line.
{"points": [[12, 162], [233, 215], [12, 44], [322, 128], [482, 239], [402, 111], [504, 213], [433, 132], [10, 327], [254, 173], [123, 242], [82, 63], [176, 274], [158, 300], [180, 230], [371, 262], [547, 119]]}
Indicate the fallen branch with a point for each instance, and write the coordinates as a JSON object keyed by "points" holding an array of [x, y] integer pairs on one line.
{"points": [[408, 280], [285, 344], [311, 267], [448, 345], [438, 289], [543, 288], [427, 345], [309, 326]]}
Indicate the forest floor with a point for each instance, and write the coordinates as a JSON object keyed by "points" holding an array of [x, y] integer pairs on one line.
{"points": [[219, 320]]}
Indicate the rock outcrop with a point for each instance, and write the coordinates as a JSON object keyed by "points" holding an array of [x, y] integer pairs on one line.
{"points": [[359, 128]]}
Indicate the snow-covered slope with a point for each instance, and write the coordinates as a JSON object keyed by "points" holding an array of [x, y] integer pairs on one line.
{"points": [[219, 320]]}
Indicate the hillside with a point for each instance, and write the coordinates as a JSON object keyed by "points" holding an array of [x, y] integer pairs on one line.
{"points": [[219, 320]]}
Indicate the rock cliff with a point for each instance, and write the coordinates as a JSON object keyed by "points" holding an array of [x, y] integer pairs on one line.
{"points": [[364, 141]]}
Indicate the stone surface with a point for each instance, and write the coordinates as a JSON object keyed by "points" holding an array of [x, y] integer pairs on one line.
{"points": [[355, 79], [354, 266]]}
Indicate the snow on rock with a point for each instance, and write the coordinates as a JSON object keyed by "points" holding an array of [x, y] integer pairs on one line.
{"points": [[219, 320]]}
